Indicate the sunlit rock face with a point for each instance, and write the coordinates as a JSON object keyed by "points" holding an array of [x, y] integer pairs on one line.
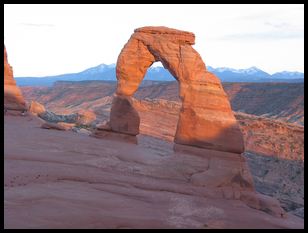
{"points": [[13, 99], [206, 119]]}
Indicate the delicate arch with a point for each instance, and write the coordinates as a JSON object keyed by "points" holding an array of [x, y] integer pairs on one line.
{"points": [[206, 118]]}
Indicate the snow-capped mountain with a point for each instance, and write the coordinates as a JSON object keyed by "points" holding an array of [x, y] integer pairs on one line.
{"points": [[254, 74], [99, 69], [288, 75], [249, 71], [108, 73]]}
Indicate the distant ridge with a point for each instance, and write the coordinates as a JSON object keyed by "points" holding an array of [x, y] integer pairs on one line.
{"points": [[107, 73]]}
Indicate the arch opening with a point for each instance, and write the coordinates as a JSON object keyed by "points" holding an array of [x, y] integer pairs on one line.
{"points": [[157, 103]]}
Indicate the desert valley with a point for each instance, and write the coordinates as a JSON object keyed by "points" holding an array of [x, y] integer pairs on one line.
{"points": [[197, 151]]}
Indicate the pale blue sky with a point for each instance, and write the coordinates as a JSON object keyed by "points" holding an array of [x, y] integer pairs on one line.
{"points": [[55, 39]]}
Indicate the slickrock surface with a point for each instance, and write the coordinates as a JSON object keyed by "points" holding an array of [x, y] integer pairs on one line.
{"points": [[13, 99], [275, 150], [206, 119], [60, 179], [48, 125]]}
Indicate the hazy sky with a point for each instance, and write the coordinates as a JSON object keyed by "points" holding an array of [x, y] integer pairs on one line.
{"points": [[55, 39]]}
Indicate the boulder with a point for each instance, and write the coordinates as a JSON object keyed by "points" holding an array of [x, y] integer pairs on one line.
{"points": [[123, 116]]}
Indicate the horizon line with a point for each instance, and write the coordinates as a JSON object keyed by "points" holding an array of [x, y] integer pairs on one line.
{"points": [[158, 65]]}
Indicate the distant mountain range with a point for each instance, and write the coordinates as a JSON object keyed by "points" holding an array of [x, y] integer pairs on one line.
{"points": [[253, 74], [107, 73]]}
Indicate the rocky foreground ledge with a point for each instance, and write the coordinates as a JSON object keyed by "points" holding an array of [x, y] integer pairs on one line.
{"points": [[60, 179]]}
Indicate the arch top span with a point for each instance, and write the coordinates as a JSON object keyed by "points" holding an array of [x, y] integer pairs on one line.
{"points": [[170, 33], [171, 47], [206, 119]]}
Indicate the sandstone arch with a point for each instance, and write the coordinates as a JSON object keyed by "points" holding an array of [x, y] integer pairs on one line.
{"points": [[206, 118]]}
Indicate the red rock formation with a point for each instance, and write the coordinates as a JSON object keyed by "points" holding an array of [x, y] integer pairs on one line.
{"points": [[36, 108], [206, 119], [124, 121], [13, 99]]}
